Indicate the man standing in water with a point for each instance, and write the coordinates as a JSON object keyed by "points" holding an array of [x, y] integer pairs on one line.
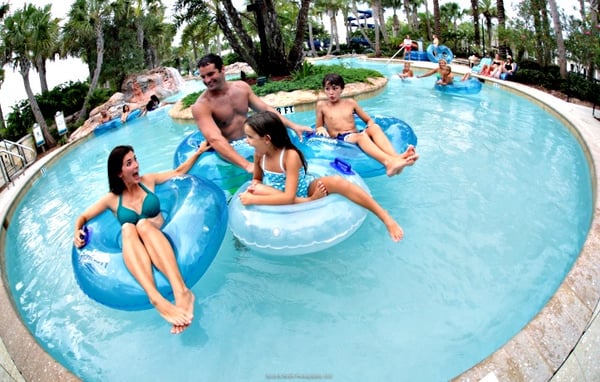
{"points": [[221, 110]]}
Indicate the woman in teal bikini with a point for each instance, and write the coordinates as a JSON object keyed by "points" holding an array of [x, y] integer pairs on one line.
{"points": [[281, 177], [144, 244]]}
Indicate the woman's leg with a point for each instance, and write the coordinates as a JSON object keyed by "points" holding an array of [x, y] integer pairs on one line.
{"points": [[163, 257], [138, 262], [339, 185]]}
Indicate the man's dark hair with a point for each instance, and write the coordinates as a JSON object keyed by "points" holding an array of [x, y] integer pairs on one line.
{"points": [[211, 58]]}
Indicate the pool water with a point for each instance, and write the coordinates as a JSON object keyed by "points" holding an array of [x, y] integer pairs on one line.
{"points": [[495, 212]]}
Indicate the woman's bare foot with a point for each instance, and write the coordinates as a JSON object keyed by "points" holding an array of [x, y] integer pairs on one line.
{"points": [[185, 301], [173, 314], [410, 153]]}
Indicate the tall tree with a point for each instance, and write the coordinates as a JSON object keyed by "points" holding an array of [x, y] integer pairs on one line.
{"points": [[395, 5], [489, 12], [19, 52], [475, 13], [271, 58], [86, 17], [45, 32], [560, 43], [502, 42], [436, 17], [3, 11]]}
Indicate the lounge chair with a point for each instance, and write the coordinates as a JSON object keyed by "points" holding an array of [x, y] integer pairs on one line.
{"points": [[484, 61]]}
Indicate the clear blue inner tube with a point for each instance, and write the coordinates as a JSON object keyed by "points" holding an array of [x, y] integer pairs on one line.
{"points": [[115, 122], [398, 132], [212, 166], [195, 213], [302, 228], [469, 86]]}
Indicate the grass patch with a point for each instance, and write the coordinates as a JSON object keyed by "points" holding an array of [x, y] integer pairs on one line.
{"points": [[308, 77]]}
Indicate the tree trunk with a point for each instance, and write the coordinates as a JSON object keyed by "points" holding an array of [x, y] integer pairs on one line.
{"points": [[560, 43], [2, 123], [334, 30], [311, 41], [501, 27], [475, 8], [99, 59], [41, 67], [35, 108], [436, 17], [375, 9], [595, 31]]}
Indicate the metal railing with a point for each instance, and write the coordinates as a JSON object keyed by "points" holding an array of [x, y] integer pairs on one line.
{"points": [[14, 159]]}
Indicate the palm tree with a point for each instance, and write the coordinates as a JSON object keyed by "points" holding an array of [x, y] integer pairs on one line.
{"points": [[3, 11], [560, 43], [501, 27], [18, 35], [2, 123], [395, 5], [489, 12], [45, 36], [86, 18], [271, 57], [436, 17], [475, 9]]}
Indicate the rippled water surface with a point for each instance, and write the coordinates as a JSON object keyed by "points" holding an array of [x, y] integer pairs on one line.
{"points": [[495, 212]]}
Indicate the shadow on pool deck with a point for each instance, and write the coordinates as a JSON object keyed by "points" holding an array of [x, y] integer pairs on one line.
{"points": [[564, 336]]}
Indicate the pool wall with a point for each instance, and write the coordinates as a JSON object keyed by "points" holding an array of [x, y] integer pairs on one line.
{"points": [[534, 354]]}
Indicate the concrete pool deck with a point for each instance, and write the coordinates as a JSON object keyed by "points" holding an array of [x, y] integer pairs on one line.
{"points": [[562, 343]]}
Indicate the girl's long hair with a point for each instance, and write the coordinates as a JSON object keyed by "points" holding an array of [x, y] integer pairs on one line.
{"points": [[268, 123]]}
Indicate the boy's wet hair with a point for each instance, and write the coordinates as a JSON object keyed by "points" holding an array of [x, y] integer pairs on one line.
{"points": [[333, 79]]}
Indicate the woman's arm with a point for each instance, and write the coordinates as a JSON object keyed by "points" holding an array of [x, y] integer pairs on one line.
{"points": [[160, 177], [105, 202], [432, 71]]}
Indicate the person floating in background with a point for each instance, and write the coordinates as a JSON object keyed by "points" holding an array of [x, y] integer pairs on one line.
{"points": [[221, 110], [335, 119], [280, 176], [125, 113], [104, 116], [144, 244], [438, 71], [407, 71]]}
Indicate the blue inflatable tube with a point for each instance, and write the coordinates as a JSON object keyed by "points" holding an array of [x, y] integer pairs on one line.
{"points": [[302, 228], [195, 213], [436, 54], [212, 166], [470, 86], [399, 133], [115, 123]]}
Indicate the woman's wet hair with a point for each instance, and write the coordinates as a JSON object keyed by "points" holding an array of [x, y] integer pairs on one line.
{"points": [[268, 123], [115, 166]]}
